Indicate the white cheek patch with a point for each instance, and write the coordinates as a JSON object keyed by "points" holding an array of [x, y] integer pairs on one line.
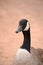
{"points": [[27, 26]]}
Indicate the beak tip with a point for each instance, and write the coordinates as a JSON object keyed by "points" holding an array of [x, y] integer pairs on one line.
{"points": [[16, 31], [19, 29]]}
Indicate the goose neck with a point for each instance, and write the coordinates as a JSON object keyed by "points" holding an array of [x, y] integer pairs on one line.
{"points": [[26, 42]]}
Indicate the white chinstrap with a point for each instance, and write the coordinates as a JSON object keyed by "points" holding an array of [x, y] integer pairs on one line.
{"points": [[27, 26]]}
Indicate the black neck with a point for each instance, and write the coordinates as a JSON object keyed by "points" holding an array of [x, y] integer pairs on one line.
{"points": [[26, 42]]}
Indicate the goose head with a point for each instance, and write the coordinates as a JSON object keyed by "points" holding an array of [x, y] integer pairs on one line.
{"points": [[23, 25]]}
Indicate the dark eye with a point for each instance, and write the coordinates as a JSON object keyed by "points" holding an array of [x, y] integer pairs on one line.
{"points": [[23, 26]]}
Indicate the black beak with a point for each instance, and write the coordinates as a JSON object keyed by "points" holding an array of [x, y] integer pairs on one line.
{"points": [[19, 29]]}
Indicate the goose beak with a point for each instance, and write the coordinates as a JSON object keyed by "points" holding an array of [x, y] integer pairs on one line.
{"points": [[19, 29]]}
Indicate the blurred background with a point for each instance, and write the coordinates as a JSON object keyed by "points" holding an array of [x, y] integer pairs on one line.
{"points": [[11, 11]]}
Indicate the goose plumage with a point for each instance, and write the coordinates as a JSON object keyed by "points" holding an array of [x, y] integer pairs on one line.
{"points": [[25, 54]]}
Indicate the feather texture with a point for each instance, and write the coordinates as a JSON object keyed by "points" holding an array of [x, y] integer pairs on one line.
{"points": [[23, 57]]}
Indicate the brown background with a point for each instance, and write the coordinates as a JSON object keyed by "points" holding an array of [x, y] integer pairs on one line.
{"points": [[11, 11]]}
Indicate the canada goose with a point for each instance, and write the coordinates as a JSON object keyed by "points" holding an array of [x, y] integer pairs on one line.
{"points": [[24, 56]]}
